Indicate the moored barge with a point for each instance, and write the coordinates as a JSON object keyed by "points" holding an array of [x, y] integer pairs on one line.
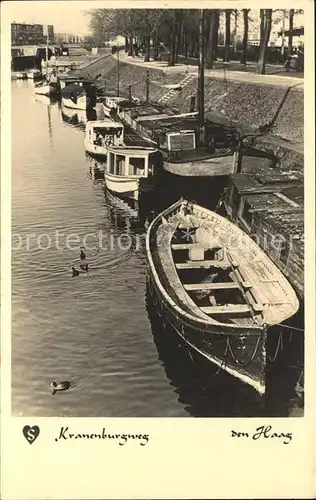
{"points": [[270, 207], [176, 135]]}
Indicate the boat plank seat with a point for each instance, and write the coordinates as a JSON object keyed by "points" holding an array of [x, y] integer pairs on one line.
{"points": [[246, 284], [250, 295], [227, 309], [204, 264], [211, 286], [189, 246]]}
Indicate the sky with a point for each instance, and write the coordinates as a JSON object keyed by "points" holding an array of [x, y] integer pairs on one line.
{"points": [[66, 17]]}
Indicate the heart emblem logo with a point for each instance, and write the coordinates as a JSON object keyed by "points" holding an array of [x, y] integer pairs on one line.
{"points": [[31, 433]]}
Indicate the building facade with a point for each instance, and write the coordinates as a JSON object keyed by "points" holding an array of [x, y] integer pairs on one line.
{"points": [[64, 38], [31, 34]]}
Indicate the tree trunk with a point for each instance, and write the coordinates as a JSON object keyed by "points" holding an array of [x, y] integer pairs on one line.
{"points": [[227, 35], [235, 30], [177, 35], [207, 28], [172, 53], [216, 28], [130, 46], [262, 26], [291, 22], [185, 43], [156, 44], [126, 44], [147, 42], [245, 37], [266, 23], [210, 45], [181, 38], [283, 38]]}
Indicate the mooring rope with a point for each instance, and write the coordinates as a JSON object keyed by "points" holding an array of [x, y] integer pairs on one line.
{"points": [[280, 340], [290, 327], [251, 358]]}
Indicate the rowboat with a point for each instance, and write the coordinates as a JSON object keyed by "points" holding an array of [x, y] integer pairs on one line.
{"points": [[216, 287]]}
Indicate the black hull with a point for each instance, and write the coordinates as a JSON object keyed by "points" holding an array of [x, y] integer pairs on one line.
{"points": [[97, 156], [241, 356]]}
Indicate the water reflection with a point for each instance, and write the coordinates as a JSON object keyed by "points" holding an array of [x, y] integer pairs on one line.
{"points": [[205, 392], [74, 117]]}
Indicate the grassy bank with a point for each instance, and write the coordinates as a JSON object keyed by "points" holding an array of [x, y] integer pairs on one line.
{"points": [[252, 105]]}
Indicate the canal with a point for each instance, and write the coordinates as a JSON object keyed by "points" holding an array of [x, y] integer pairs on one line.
{"points": [[97, 330]]}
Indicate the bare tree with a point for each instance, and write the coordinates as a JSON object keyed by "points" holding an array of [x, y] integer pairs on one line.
{"points": [[265, 30], [227, 35], [291, 23], [216, 28], [210, 39], [245, 36], [173, 35]]}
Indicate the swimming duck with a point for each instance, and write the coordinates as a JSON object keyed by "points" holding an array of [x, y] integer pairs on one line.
{"points": [[82, 255], [62, 386], [75, 272], [84, 267]]}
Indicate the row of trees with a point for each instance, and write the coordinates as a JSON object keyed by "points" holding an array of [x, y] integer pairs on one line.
{"points": [[178, 29]]}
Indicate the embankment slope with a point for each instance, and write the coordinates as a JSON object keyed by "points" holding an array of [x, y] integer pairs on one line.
{"points": [[253, 105]]}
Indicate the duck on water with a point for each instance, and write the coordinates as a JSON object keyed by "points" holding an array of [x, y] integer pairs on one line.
{"points": [[61, 386], [84, 265]]}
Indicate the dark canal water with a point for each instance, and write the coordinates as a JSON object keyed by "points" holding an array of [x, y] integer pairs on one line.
{"points": [[98, 330]]}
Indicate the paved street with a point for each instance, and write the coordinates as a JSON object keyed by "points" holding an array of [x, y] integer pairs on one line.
{"points": [[281, 79]]}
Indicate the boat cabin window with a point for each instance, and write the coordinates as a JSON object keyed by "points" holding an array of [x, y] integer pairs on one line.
{"points": [[284, 252], [112, 163], [124, 165], [103, 136], [120, 165], [136, 166]]}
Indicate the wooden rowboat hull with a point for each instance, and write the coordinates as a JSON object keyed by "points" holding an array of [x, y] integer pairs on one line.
{"points": [[242, 356], [236, 345]]}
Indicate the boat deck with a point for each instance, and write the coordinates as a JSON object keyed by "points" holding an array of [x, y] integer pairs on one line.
{"points": [[271, 207]]}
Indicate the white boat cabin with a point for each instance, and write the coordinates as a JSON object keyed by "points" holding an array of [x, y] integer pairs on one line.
{"points": [[102, 133], [131, 161]]}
